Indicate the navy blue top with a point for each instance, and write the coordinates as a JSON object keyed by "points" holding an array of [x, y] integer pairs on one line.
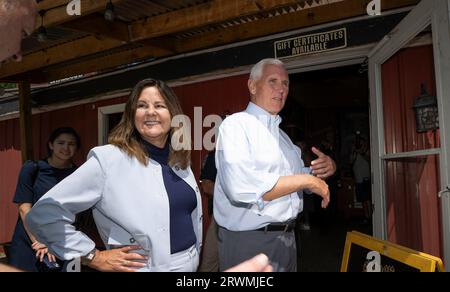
{"points": [[209, 172], [33, 183], [182, 201]]}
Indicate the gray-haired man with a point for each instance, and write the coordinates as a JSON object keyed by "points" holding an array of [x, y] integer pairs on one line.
{"points": [[261, 176]]}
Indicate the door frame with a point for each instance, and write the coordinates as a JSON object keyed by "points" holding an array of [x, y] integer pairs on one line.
{"points": [[428, 12]]}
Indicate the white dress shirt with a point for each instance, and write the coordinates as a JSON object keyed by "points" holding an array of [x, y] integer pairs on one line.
{"points": [[252, 154]]}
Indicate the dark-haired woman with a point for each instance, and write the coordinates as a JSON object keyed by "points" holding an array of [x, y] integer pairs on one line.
{"points": [[35, 179], [145, 199]]}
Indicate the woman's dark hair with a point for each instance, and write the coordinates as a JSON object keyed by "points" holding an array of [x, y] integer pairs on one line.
{"points": [[58, 132]]}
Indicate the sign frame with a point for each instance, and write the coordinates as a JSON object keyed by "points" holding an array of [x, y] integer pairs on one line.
{"points": [[421, 261]]}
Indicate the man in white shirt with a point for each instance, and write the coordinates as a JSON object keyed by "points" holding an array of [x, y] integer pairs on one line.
{"points": [[261, 176]]}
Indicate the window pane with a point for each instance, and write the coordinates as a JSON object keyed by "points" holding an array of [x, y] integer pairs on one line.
{"points": [[402, 78], [412, 205]]}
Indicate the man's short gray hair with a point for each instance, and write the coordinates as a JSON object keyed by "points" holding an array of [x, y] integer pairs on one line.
{"points": [[257, 70]]}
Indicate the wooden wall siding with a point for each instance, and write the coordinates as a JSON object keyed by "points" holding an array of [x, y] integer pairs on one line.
{"points": [[215, 97], [10, 158], [402, 77], [413, 210]]}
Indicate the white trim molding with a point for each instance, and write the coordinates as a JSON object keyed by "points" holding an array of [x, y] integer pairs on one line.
{"points": [[103, 118], [441, 38], [426, 13]]}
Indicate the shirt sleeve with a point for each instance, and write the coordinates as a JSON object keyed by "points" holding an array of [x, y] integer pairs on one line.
{"points": [[302, 170], [51, 218], [24, 189], [239, 178]]}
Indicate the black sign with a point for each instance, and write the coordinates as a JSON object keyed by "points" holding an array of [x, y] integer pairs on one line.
{"points": [[311, 44]]}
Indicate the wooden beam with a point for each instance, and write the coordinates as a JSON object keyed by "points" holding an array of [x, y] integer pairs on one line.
{"points": [[202, 15], [51, 4], [116, 30], [291, 21], [56, 16], [97, 64], [26, 133], [96, 24], [68, 51], [296, 20]]}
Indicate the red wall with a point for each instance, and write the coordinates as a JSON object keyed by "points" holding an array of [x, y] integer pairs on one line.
{"points": [[413, 208], [216, 97], [82, 118], [9, 168]]}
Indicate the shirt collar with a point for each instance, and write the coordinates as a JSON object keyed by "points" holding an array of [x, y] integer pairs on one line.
{"points": [[263, 116]]}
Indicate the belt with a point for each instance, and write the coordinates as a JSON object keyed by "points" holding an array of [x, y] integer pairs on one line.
{"points": [[285, 227]]}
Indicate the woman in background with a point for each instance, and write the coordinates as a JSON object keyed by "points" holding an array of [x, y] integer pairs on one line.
{"points": [[35, 179]]}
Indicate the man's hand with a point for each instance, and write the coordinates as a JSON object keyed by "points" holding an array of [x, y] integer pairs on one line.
{"points": [[319, 187], [323, 167], [119, 260]]}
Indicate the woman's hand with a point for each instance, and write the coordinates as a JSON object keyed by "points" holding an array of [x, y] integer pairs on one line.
{"points": [[119, 260], [42, 250], [40, 254], [319, 187], [38, 246]]}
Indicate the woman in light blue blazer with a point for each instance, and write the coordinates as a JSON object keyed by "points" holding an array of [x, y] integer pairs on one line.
{"points": [[145, 199]]}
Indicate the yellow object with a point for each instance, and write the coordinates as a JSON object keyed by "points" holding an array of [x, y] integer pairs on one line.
{"points": [[365, 253]]}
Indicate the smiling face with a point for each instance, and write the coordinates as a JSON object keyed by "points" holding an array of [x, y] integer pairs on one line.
{"points": [[64, 147], [271, 90], [17, 20], [152, 118]]}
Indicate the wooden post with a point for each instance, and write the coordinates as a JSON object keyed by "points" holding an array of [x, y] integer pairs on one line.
{"points": [[26, 134]]}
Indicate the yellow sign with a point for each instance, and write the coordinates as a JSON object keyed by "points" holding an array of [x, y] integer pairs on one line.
{"points": [[364, 253]]}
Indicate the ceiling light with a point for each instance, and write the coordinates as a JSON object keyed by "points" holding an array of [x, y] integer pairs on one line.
{"points": [[109, 12], [42, 31]]}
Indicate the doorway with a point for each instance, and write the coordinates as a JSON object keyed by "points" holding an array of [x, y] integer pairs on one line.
{"points": [[329, 109]]}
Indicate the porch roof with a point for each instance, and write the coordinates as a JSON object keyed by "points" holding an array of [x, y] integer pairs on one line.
{"points": [[146, 30]]}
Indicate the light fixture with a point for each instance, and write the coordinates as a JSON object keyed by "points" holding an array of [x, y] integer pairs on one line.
{"points": [[109, 12], [42, 31], [426, 111]]}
